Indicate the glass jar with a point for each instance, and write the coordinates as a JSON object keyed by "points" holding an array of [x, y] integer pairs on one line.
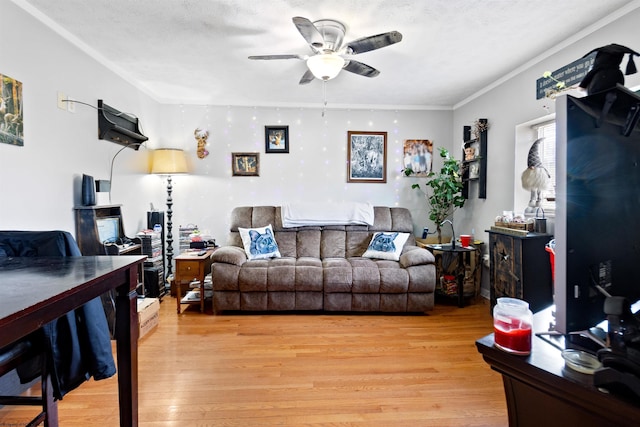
{"points": [[512, 322]]}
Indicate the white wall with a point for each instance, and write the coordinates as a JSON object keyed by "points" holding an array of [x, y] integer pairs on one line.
{"points": [[314, 170], [41, 179], [514, 102]]}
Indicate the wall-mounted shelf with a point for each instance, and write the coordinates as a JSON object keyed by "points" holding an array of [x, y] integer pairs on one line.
{"points": [[118, 127], [474, 155]]}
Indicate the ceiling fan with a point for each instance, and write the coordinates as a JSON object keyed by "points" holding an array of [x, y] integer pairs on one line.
{"points": [[329, 56]]}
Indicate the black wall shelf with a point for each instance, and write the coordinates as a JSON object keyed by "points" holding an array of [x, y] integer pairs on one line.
{"points": [[475, 169]]}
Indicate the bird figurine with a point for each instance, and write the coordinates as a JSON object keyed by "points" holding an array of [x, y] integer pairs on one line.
{"points": [[536, 177]]}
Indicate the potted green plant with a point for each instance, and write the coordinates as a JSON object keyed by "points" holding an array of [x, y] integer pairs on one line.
{"points": [[445, 194]]}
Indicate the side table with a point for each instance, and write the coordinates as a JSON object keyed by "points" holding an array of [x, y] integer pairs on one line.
{"points": [[192, 266], [459, 251]]}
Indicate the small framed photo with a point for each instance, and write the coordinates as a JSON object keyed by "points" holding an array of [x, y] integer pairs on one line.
{"points": [[276, 139], [418, 157], [474, 171], [245, 164], [367, 157]]}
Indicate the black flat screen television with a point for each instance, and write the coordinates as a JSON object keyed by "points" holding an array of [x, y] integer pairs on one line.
{"points": [[597, 228]]}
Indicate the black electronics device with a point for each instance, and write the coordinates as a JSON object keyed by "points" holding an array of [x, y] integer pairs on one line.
{"points": [[153, 279], [88, 190], [598, 176]]}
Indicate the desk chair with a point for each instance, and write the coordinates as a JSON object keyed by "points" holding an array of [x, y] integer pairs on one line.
{"points": [[12, 357]]}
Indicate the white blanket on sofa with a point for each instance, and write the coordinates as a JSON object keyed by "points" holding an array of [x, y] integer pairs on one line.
{"points": [[305, 214]]}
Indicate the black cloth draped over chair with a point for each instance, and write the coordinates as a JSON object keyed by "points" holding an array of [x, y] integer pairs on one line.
{"points": [[67, 351]]}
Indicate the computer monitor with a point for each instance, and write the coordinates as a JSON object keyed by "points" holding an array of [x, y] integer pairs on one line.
{"points": [[597, 205], [108, 229]]}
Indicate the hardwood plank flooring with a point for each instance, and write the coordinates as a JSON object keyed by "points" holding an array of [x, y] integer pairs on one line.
{"points": [[303, 370]]}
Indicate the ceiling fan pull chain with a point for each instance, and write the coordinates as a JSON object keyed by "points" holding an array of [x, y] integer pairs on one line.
{"points": [[324, 97]]}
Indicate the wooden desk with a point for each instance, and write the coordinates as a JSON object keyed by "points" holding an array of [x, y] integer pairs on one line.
{"points": [[37, 290], [541, 391]]}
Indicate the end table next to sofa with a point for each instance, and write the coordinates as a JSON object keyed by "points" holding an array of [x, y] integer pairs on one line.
{"points": [[192, 266], [459, 251]]}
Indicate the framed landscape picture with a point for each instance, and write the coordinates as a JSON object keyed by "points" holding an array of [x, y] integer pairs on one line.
{"points": [[276, 139], [245, 164], [367, 157]]}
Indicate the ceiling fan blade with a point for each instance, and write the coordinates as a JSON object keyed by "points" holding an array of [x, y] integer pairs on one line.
{"points": [[307, 78], [309, 32], [366, 44], [292, 56], [361, 69]]}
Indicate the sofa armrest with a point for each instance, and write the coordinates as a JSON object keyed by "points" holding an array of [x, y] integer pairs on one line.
{"points": [[414, 255], [229, 255]]}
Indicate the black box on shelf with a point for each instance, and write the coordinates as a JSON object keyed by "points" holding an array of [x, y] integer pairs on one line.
{"points": [[153, 282]]}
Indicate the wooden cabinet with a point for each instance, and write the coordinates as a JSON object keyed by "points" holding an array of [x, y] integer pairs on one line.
{"points": [[541, 391], [521, 268], [474, 160]]}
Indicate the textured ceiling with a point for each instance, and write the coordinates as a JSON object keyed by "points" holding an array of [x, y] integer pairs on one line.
{"points": [[195, 51]]}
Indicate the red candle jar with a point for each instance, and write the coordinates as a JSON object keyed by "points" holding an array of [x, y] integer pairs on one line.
{"points": [[512, 322]]}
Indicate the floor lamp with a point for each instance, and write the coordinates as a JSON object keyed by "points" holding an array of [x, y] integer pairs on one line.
{"points": [[169, 161]]}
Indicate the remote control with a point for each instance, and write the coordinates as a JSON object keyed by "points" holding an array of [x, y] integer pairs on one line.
{"points": [[202, 253]]}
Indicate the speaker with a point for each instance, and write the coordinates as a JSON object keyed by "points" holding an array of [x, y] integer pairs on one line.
{"points": [[153, 285], [88, 190]]}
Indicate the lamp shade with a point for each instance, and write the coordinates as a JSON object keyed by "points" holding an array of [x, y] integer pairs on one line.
{"points": [[325, 66], [168, 161]]}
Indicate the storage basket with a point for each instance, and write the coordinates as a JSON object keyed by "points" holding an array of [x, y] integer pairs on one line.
{"points": [[526, 226]]}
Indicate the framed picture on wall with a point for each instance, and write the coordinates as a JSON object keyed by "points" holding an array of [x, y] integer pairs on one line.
{"points": [[418, 157], [366, 157], [11, 126], [276, 139], [245, 164]]}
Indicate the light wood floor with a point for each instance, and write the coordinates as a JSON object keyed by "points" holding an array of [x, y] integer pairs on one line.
{"points": [[303, 370]]}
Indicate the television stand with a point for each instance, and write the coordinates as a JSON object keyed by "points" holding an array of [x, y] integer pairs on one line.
{"points": [[541, 391]]}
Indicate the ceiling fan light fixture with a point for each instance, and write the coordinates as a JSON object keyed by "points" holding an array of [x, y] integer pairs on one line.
{"points": [[325, 66]]}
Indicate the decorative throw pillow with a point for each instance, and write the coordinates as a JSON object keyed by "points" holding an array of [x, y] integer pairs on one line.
{"points": [[386, 245], [259, 243]]}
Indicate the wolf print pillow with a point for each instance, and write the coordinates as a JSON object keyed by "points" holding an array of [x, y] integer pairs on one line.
{"points": [[259, 243], [386, 245]]}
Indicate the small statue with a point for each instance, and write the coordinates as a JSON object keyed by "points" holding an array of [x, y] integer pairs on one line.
{"points": [[469, 153], [201, 136], [536, 177]]}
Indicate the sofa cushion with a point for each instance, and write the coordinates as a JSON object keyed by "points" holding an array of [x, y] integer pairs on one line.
{"points": [[259, 243], [386, 245], [414, 255]]}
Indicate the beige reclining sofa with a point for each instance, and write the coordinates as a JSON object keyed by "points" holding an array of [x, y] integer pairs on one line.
{"points": [[322, 267]]}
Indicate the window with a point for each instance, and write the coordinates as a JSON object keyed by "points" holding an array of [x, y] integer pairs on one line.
{"points": [[547, 130], [526, 133]]}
